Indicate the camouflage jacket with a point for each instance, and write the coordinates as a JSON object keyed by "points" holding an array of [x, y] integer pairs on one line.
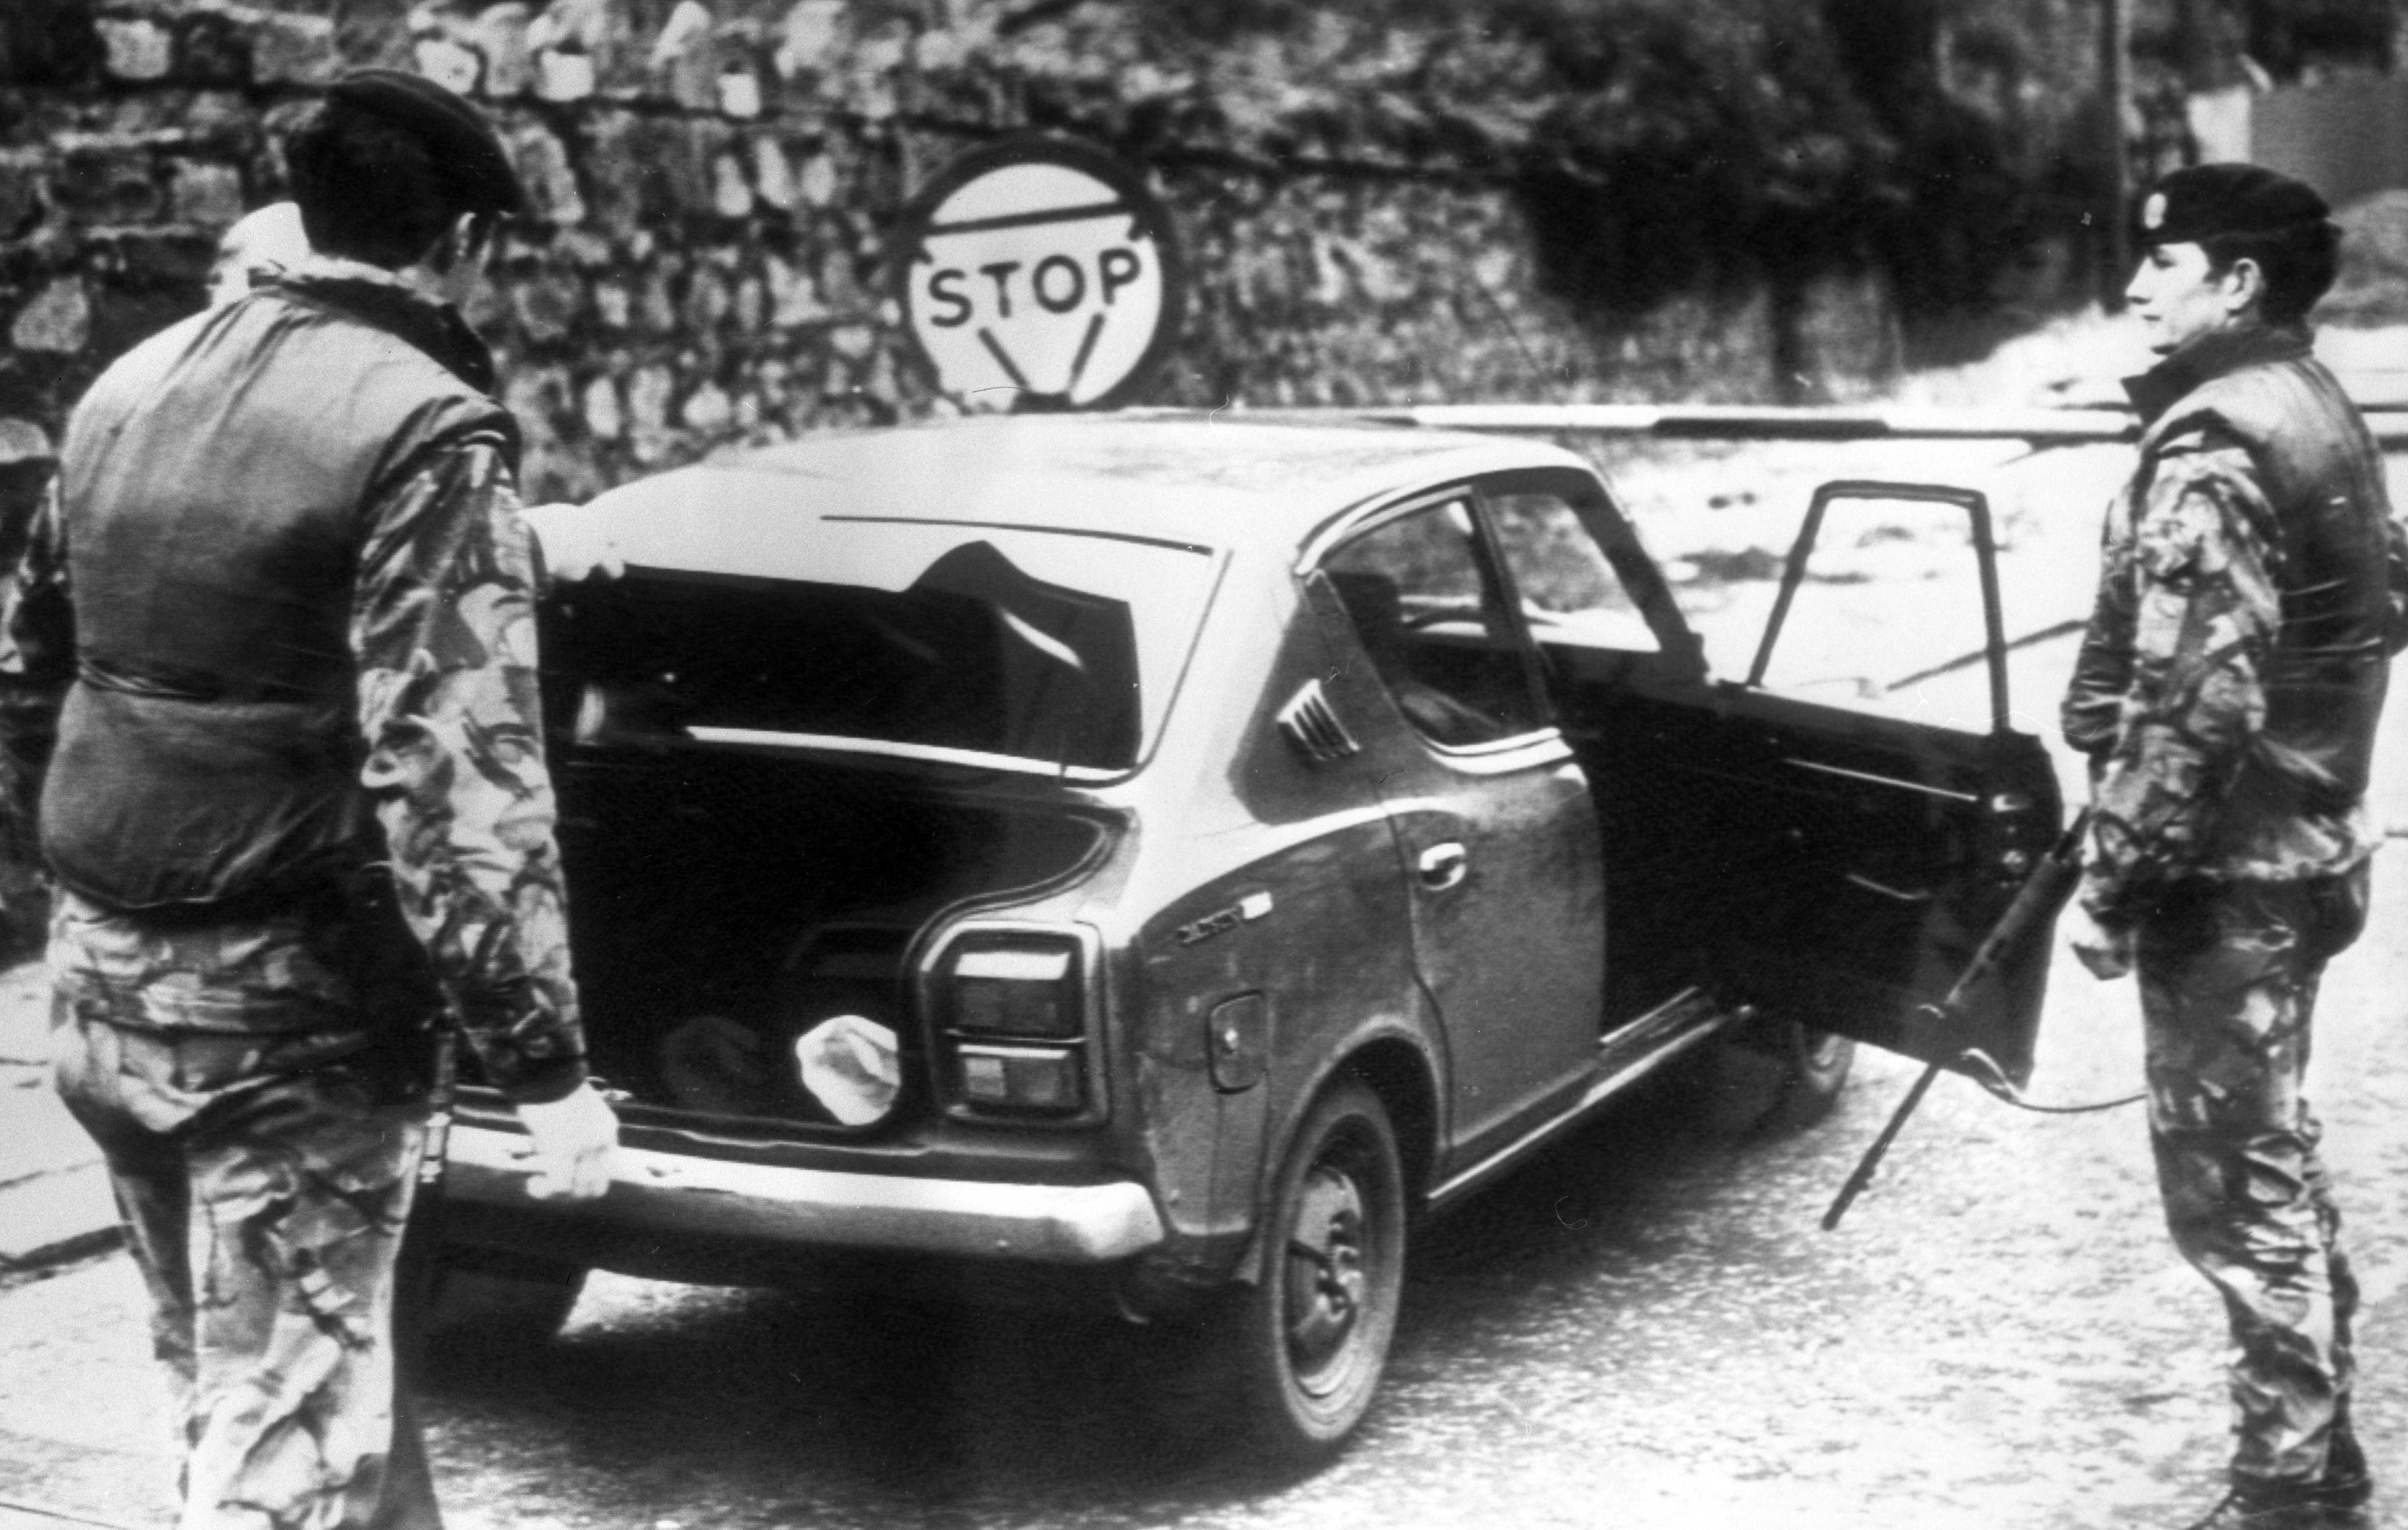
{"points": [[441, 631], [2228, 681]]}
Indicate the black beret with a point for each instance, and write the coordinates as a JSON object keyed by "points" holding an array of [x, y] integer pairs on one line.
{"points": [[2203, 201], [464, 145]]}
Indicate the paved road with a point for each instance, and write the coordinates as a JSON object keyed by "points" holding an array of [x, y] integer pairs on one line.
{"points": [[1644, 1329]]}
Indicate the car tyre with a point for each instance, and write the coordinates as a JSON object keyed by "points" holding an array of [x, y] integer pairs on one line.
{"points": [[1769, 1076], [1291, 1362], [1817, 1065]]}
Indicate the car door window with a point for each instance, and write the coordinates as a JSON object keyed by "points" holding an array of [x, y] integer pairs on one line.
{"points": [[1425, 603], [1932, 647], [1570, 592]]}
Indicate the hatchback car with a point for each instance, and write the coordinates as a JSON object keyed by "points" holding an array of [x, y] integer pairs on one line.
{"points": [[1159, 858]]}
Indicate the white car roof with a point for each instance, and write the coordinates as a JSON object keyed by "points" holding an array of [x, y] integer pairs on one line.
{"points": [[1194, 480]]}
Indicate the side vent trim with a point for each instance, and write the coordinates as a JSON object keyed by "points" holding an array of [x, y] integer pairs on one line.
{"points": [[1311, 725]]}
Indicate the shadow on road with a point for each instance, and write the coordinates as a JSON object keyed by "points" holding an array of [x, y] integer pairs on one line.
{"points": [[767, 1407]]}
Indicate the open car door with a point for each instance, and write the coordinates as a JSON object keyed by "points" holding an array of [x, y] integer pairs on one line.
{"points": [[1831, 851], [1895, 842]]}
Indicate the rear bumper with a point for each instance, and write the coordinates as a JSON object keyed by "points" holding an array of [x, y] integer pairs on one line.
{"points": [[670, 1194]]}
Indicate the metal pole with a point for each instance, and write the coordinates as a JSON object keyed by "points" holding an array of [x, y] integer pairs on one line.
{"points": [[2115, 93]]}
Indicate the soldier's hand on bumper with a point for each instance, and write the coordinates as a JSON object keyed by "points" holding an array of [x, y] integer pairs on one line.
{"points": [[2108, 954], [576, 1138]]}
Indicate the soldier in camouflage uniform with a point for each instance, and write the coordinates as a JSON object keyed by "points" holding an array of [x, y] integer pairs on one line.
{"points": [[273, 643], [2226, 694]]}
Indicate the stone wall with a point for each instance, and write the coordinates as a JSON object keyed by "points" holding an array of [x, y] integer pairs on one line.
{"points": [[713, 185]]}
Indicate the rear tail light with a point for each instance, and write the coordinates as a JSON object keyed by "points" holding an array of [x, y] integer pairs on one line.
{"points": [[1016, 989], [1011, 1011], [1020, 1077]]}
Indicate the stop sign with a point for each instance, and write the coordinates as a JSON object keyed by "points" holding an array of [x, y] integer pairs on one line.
{"points": [[1039, 271]]}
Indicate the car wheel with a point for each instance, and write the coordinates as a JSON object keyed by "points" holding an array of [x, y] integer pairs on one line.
{"points": [[1818, 1063], [480, 1300], [1292, 1361], [1770, 1075]]}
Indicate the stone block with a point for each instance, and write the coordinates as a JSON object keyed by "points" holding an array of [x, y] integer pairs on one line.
{"points": [[773, 174], [58, 321], [838, 284], [794, 297], [708, 410], [881, 383], [483, 308], [211, 49], [623, 62], [288, 50], [206, 193], [690, 155], [573, 41], [616, 140], [372, 34], [813, 38], [449, 62], [819, 181], [598, 403], [537, 395], [731, 194], [657, 307], [547, 305], [707, 300], [684, 56], [500, 34], [21, 188], [49, 42], [613, 305], [105, 180], [853, 342], [139, 47], [649, 394], [584, 249], [740, 95], [837, 376], [23, 442], [670, 160], [564, 75], [544, 169]]}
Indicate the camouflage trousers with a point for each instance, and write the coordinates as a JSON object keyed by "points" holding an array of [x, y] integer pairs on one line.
{"points": [[2228, 978], [263, 1137]]}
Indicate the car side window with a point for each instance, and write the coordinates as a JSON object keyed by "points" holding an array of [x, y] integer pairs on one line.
{"points": [[1569, 591], [1427, 611]]}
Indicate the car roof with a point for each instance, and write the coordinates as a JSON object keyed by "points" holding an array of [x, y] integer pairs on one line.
{"points": [[1199, 481]]}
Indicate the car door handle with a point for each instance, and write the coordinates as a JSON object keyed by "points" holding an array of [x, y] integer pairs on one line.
{"points": [[1443, 866]]}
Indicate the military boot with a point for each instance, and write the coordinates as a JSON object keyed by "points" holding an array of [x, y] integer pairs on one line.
{"points": [[2281, 1505], [2345, 1483]]}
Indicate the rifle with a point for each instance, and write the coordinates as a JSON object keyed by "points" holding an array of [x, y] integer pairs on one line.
{"points": [[2036, 903], [416, 1270]]}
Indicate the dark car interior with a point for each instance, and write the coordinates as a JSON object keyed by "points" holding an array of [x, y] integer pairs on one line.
{"points": [[973, 655], [1843, 864], [1454, 692]]}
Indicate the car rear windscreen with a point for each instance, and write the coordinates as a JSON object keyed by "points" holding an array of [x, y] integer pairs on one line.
{"points": [[1047, 647]]}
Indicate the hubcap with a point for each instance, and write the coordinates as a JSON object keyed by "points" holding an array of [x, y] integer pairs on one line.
{"points": [[1325, 1278]]}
